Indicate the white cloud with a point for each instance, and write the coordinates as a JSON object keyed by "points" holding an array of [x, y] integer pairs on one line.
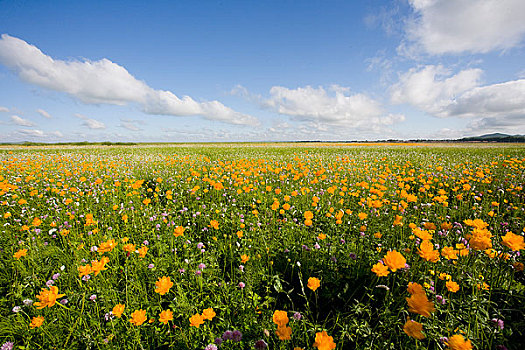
{"points": [[4, 109], [44, 113], [129, 124], [90, 123], [105, 82], [457, 26], [56, 134], [436, 91], [32, 132], [335, 106], [21, 121]]}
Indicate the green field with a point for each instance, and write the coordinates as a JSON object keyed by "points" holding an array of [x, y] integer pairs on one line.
{"points": [[253, 246]]}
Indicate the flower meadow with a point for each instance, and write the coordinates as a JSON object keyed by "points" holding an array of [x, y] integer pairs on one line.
{"points": [[303, 246]]}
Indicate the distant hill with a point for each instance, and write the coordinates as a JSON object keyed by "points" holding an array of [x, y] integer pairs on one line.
{"points": [[496, 137]]}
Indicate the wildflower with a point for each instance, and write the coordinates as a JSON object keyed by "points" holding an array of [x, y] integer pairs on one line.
{"points": [[9, 346], [138, 317], [244, 258], [211, 347], [418, 303], [323, 341], [394, 260], [163, 285], [20, 253], [107, 246], [498, 323], [236, 336], [142, 251], [165, 316], [16, 309], [208, 314], [284, 332], [297, 316], [196, 320], [457, 342], [449, 253], [260, 345], [513, 241], [280, 318], [97, 266], [380, 270], [93, 297], [427, 252], [48, 297], [214, 224], [36, 322], [415, 288], [413, 329], [452, 286], [242, 285], [118, 310], [228, 335], [313, 283], [27, 302], [179, 231], [129, 248]]}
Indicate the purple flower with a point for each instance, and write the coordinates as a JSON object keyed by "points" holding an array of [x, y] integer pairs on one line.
{"points": [[93, 297], [260, 345], [237, 336], [27, 302], [150, 266], [64, 301], [181, 271], [198, 272], [202, 266], [50, 283], [211, 347], [200, 245], [227, 335], [56, 276], [218, 341], [297, 316], [7, 346], [241, 267], [17, 309], [242, 285], [86, 278], [498, 323]]}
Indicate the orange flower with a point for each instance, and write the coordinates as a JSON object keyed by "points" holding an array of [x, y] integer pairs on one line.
{"points": [[427, 252], [196, 320], [449, 253], [48, 297], [142, 251], [165, 316], [415, 288], [380, 270], [84, 270], [138, 317], [118, 310], [422, 234], [452, 286], [413, 329], [284, 332], [179, 231], [418, 303], [130, 248], [106, 246], [362, 216], [214, 224], [457, 342], [394, 260], [323, 341], [20, 253], [280, 318], [244, 258], [97, 266], [36, 322], [208, 314], [308, 215], [513, 241], [313, 283], [163, 285]]}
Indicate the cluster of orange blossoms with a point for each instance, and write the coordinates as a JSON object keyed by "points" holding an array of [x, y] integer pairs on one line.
{"points": [[393, 260], [48, 297], [95, 267], [280, 318], [198, 319]]}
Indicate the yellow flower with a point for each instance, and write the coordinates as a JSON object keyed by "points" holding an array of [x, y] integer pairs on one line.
{"points": [[36, 322], [394, 260], [118, 310], [452, 286], [284, 332], [48, 297], [138, 317], [513, 241], [163, 285], [418, 303], [457, 342], [323, 341], [313, 283], [196, 320], [413, 329], [380, 270], [208, 314], [165, 316], [280, 318], [20, 253]]}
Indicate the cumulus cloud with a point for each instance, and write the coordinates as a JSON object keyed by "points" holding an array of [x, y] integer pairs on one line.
{"points": [[4, 109], [21, 121], [90, 123], [457, 26], [105, 82], [433, 88], [440, 93], [32, 132], [44, 113]]}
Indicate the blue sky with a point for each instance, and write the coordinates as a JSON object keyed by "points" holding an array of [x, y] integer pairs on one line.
{"points": [[260, 70]]}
